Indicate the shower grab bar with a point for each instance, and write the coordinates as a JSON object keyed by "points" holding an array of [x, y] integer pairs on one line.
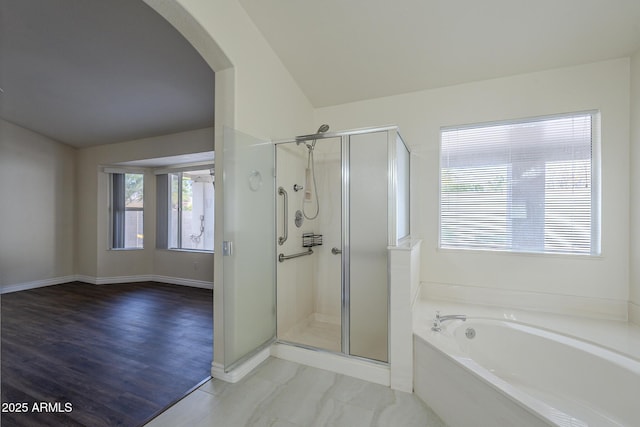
{"points": [[283, 257], [283, 238]]}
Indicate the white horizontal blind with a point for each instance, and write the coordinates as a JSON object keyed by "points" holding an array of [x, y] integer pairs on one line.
{"points": [[522, 186]]}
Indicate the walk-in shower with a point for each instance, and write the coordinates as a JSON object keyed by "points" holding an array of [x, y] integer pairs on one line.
{"points": [[342, 200]]}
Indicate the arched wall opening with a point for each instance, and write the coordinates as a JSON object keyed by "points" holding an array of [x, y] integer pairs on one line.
{"points": [[211, 52]]}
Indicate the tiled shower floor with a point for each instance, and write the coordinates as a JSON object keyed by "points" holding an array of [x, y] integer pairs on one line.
{"points": [[315, 333]]}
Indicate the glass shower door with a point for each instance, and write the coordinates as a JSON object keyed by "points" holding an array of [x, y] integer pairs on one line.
{"points": [[368, 240], [309, 286], [337, 298], [248, 250]]}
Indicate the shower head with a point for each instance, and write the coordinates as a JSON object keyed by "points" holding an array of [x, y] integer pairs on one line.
{"points": [[310, 146], [322, 129]]}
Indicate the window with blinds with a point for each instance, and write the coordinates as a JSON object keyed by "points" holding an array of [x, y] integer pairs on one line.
{"points": [[524, 186], [127, 210]]}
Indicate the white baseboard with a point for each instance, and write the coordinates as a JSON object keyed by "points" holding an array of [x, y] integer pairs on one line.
{"points": [[87, 279], [36, 284], [106, 281], [145, 278], [634, 313], [358, 368], [353, 367], [183, 282], [113, 280], [241, 371], [526, 300]]}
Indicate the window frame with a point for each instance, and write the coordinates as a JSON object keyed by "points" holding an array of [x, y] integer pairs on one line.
{"points": [[180, 174], [595, 249], [112, 209]]}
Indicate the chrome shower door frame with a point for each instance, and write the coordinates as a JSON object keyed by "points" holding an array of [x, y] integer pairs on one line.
{"points": [[393, 137], [345, 298]]}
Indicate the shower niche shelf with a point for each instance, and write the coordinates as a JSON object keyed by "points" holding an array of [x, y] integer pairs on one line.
{"points": [[309, 240]]}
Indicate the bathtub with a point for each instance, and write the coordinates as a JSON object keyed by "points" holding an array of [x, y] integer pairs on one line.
{"points": [[486, 372]]}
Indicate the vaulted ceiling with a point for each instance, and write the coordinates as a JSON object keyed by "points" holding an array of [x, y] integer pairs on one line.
{"points": [[89, 72], [340, 51]]}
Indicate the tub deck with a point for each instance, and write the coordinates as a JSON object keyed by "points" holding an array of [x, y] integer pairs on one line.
{"points": [[614, 335]]}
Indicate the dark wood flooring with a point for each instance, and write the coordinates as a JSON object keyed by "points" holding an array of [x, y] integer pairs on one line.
{"points": [[118, 354]]}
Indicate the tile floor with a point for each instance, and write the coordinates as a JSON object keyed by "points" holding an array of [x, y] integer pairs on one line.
{"points": [[285, 394]]}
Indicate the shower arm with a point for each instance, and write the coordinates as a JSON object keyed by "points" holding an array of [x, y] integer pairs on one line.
{"points": [[283, 238]]}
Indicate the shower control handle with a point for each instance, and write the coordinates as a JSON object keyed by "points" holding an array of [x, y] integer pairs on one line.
{"points": [[336, 251]]}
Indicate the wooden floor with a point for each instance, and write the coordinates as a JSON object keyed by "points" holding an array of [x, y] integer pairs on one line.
{"points": [[116, 355]]}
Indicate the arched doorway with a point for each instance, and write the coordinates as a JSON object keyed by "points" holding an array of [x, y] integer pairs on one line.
{"points": [[211, 52]]}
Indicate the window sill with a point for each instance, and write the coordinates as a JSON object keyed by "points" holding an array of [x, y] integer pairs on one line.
{"points": [[126, 249], [189, 251], [519, 253]]}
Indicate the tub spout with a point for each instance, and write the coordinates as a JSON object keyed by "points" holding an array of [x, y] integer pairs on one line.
{"points": [[437, 321]]}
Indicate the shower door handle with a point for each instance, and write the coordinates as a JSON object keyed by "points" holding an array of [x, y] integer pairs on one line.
{"points": [[336, 251]]}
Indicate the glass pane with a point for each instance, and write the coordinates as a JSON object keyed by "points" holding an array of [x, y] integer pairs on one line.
{"points": [[249, 224], [309, 287], [134, 229], [368, 239], [402, 207], [174, 230], [134, 210], [197, 210], [134, 190], [522, 186]]}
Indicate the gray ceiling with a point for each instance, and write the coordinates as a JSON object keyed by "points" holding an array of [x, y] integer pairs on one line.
{"points": [[88, 72]]}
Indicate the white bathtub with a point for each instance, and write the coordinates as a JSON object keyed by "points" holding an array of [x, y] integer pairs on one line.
{"points": [[512, 374]]}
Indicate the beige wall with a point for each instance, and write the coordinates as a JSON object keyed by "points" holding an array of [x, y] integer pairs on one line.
{"points": [[37, 185], [58, 227], [95, 260], [603, 86], [634, 289]]}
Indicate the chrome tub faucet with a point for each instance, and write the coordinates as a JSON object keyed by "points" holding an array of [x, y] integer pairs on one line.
{"points": [[437, 321]]}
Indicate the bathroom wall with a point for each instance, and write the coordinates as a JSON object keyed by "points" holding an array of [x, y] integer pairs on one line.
{"points": [[95, 261], [37, 184], [634, 289], [597, 283]]}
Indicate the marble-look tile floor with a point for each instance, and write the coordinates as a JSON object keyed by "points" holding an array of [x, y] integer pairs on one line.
{"points": [[285, 394]]}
